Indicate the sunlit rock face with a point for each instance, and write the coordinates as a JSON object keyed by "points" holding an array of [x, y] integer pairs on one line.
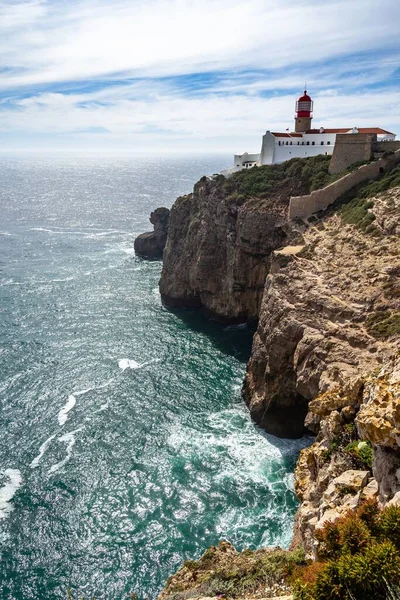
{"points": [[218, 252]]}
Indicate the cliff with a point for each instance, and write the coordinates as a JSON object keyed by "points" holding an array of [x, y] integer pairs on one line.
{"points": [[324, 359], [222, 235], [323, 315]]}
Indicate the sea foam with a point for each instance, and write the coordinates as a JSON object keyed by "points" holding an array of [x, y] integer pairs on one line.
{"points": [[8, 490], [42, 450], [126, 363], [63, 414], [70, 440]]}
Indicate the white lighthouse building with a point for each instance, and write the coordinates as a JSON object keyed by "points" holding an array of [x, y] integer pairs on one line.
{"points": [[304, 141]]}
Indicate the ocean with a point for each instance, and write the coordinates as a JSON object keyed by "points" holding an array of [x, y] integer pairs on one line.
{"points": [[125, 447]]}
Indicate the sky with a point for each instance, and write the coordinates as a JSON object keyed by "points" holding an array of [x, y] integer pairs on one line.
{"points": [[186, 76]]}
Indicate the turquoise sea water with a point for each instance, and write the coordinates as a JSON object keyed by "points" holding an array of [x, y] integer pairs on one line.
{"points": [[124, 444]]}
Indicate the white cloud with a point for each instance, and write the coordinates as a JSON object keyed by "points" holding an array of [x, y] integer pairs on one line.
{"points": [[207, 122], [43, 42], [130, 52]]}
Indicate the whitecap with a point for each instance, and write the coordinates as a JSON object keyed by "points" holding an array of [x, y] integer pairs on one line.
{"points": [[5, 233], [7, 492], [42, 450], [70, 440], [63, 414], [126, 363]]}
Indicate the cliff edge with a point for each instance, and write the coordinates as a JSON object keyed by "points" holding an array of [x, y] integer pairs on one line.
{"points": [[222, 235]]}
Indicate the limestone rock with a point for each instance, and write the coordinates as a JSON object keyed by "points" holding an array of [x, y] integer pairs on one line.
{"points": [[379, 417], [354, 480], [314, 334], [152, 244], [218, 252]]}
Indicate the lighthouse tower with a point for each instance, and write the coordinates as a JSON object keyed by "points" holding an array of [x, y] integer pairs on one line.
{"points": [[304, 107]]}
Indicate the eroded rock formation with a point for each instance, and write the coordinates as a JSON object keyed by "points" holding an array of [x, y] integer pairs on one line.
{"points": [[218, 252], [325, 356], [323, 316], [152, 244]]}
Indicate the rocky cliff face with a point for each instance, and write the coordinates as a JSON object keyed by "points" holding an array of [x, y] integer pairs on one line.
{"points": [[329, 313], [218, 252], [325, 355], [221, 237], [351, 460], [152, 244]]}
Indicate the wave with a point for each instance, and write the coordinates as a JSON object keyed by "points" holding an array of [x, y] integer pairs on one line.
{"points": [[42, 450], [70, 440], [7, 492], [63, 414], [127, 363], [5, 233], [89, 234]]}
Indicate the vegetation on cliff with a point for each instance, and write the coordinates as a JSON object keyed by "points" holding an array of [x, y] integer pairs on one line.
{"points": [[278, 182], [359, 557], [354, 207]]}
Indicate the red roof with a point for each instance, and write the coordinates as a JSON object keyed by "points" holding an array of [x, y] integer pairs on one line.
{"points": [[305, 97], [376, 130]]}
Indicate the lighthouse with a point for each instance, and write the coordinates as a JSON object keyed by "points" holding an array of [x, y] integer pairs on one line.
{"points": [[303, 142], [304, 107]]}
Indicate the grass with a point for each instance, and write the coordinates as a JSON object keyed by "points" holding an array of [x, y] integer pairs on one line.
{"points": [[234, 574], [383, 324], [292, 178], [354, 206]]}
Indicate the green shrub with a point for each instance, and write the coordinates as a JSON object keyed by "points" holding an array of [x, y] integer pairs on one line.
{"points": [[362, 551], [354, 535], [383, 324], [328, 539], [363, 576], [389, 525], [362, 451], [355, 204]]}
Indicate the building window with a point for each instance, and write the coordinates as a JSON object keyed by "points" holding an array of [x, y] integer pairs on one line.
{"points": [[308, 143], [322, 143], [328, 143], [313, 143], [302, 143], [298, 143], [279, 143], [291, 143]]}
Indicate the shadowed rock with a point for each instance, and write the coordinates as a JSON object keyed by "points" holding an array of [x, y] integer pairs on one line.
{"points": [[152, 243]]}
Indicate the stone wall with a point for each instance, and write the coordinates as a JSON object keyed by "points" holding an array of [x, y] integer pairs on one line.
{"points": [[350, 149], [391, 146], [305, 206]]}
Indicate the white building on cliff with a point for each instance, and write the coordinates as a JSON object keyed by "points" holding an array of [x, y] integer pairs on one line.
{"points": [[303, 141]]}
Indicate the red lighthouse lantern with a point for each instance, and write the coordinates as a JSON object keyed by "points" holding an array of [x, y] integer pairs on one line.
{"points": [[304, 108]]}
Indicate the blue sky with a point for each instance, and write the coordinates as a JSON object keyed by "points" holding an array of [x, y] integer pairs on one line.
{"points": [[191, 75]]}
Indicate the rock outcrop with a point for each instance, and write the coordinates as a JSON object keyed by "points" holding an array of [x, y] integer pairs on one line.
{"points": [[152, 244], [218, 252], [352, 459], [325, 356], [327, 314]]}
